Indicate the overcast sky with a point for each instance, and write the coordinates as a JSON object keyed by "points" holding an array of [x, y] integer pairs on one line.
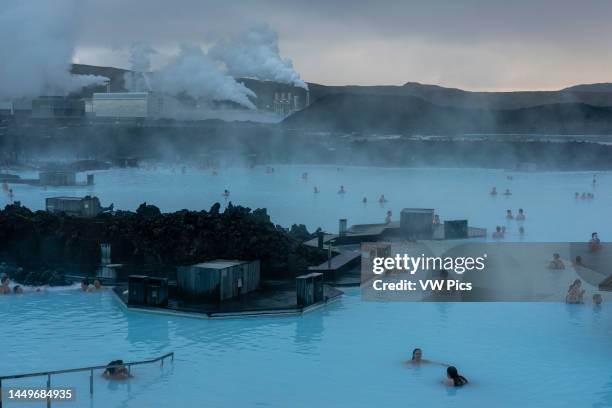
{"points": [[470, 44]]}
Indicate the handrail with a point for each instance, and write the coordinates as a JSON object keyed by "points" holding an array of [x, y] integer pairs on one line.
{"points": [[73, 370]]}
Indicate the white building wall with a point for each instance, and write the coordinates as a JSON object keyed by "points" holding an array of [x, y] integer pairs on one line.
{"points": [[127, 105]]}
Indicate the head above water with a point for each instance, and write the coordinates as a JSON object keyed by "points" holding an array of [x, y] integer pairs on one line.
{"points": [[417, 354], [453, 374]]}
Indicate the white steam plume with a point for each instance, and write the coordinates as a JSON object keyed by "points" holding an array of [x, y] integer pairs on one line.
{"points": [[140, 60], [192, 73], [255, 53], [37, 41]]}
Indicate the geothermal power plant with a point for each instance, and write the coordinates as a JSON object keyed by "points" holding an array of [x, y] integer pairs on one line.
{"points": [[113, 101]]}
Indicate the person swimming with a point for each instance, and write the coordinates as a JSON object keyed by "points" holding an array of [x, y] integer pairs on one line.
{"points": [[364, 200], [493, 191], [594, 179], [115, 370], [304, 176], [575, 293], [316, 190], [98, 284], [521, 230], [498, 232], [417, 358], [4, 285], [85, 287], [388, 217], [509, 215], [226, 193], [578, 261], [521, 215], [382, 199], [453, 378], [507, 192], [597, 299], [594, 242], [556, 263], [577, 195], [17, 289], [342, 190], [436, 220]]}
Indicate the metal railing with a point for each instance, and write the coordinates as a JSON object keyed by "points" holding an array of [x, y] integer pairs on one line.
{"points": [[91, 370]]}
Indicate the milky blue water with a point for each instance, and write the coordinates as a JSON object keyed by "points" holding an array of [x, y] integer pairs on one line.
{"points": [[349, 353], [547, 198]]}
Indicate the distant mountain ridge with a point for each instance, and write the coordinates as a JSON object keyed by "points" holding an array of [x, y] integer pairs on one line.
{"points": [[410, 115]]}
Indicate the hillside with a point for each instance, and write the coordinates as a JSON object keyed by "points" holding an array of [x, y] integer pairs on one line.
{"points": [[408, 114]]}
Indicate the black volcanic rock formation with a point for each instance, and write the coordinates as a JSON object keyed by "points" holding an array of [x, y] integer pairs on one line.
{"points": [[150, 239]]}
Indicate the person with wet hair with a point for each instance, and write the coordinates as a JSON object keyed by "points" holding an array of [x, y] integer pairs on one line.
{"points": [[509, 215], [521, 215], [493, 191], [575, 293], [453, 378], [594, 242], [17, 289], [4, 285], [115, 370], [556, 263], [417, 358]]}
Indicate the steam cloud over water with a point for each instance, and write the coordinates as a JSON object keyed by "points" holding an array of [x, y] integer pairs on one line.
{"points": [[37, 42], [255, 53]]}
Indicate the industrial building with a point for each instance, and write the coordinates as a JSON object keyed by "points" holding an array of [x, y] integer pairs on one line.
{"points": [[50, 107], [57, 178], [286, 103], [282, 99], [87, 206], [218, 280], [143, 105]]}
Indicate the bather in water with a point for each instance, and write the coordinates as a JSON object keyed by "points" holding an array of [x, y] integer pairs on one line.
{"points": [[509, 215], [556, 262], [417, 358], [436, 220], [507, 192], [575, 293], [498, 234], [597, 299], [115, 370], [342, 190], [226, 193], [382, 199], [4, 285], [316, 190], [388, 217], [453, 378], [521, 215], [493, 191], [594, 243], [364, 200]]}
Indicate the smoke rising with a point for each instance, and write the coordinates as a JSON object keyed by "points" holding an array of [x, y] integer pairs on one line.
{"points": [[37, 42], [191, 72], [255, 53]]}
